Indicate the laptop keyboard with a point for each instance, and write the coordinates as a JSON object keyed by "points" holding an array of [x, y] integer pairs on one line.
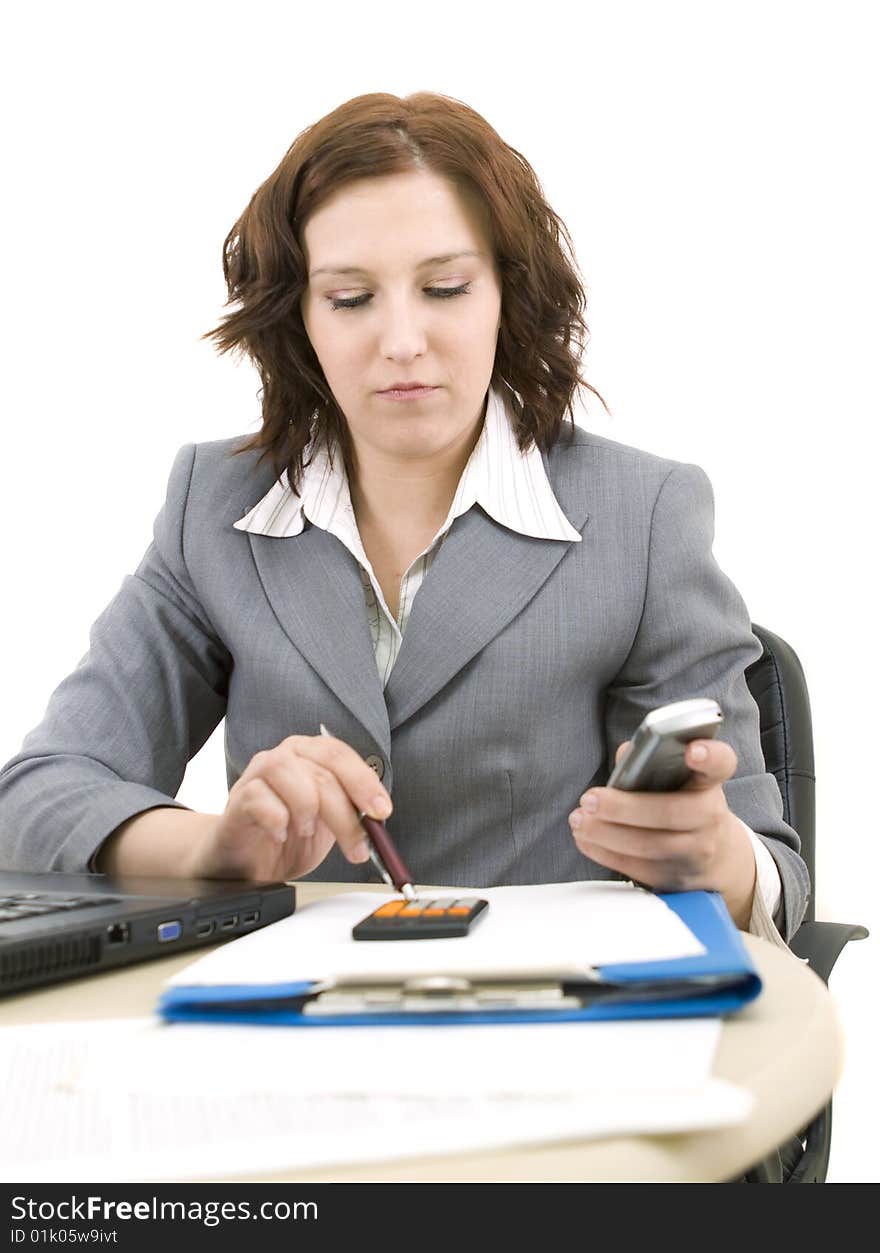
{"points": [[32, 904]]}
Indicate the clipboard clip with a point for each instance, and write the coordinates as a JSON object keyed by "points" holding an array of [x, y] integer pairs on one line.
{"points": [[432, 994], [439, 993]]}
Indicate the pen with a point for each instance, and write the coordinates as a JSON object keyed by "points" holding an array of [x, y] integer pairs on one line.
{"points": [[383, 854]]}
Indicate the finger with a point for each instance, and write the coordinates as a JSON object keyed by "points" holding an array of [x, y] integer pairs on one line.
{"points": [[288, 781], [659, 811], [356, 778], [685, 848], [258, 809], [311, 794], [712, 761], [621, 749], [663, 876], [251, 839], [310, 852]]}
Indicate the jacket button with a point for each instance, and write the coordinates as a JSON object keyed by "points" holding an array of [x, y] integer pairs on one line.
{"points": [[376, 763]]}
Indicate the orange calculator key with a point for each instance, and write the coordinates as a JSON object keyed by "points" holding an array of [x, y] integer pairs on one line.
{"points": [[389, 910]]}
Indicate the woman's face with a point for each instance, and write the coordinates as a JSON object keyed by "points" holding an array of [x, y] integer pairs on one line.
{"points": [[412, 318]]}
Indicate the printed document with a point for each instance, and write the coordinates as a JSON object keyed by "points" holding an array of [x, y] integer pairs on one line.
{"points": [[136, 1099]]}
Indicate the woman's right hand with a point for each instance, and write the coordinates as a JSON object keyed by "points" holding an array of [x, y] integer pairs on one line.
{"points": [[287, 809]]}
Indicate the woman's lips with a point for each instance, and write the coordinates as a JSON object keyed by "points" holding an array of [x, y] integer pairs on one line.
{"points": [[409, 393]]}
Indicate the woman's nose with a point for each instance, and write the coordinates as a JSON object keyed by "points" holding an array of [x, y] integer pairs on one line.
{"points": [[403, 330]]}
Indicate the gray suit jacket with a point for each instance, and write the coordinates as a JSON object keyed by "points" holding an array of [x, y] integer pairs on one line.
{"points": [[524, 664]]}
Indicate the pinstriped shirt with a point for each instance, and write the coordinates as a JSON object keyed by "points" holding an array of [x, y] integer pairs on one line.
{"points": [[513, 488]]}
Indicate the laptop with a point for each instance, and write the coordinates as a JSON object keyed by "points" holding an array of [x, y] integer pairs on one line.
{"points": [[57, 926]]}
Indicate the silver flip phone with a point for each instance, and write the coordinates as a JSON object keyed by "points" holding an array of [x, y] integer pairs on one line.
{"points": [[654, 761]]}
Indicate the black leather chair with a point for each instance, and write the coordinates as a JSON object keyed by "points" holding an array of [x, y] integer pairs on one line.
{"points": [[777, 682]]}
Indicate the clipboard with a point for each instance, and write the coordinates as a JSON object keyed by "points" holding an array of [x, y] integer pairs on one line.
{"points": [[719, 981]]}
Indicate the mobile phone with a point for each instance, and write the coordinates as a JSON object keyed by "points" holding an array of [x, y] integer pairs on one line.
{"points": [[654, 761]]}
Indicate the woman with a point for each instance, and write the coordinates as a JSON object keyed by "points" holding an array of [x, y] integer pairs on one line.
{"points": [[480, 608]]}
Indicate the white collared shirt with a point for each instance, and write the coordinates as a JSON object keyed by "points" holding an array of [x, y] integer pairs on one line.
{"points": [[513, 488]]}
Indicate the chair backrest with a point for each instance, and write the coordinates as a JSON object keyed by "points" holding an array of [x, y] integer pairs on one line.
{"points": [[776, 681]]}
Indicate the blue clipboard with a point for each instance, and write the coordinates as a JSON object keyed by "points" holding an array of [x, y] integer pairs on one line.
{"points": [[719, 981]]}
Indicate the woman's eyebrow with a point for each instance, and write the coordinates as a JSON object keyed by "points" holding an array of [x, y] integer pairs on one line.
{"points": [[353, 269]]}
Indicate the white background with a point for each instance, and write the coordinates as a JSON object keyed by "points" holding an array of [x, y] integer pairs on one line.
{"points": [[715, 164]]}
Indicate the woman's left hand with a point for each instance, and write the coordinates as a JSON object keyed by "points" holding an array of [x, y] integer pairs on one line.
{"points": [[674, 841]]}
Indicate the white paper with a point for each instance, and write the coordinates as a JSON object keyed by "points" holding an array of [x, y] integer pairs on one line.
{"points": [[438, 1060], [557, 930], [140, 1100]]}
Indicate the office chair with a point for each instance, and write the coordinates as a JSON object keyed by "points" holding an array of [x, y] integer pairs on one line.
{"points": [[776, 681]]}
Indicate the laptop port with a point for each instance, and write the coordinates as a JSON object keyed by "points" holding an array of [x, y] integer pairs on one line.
{"points": [[248, 920], [205, 928], [118, 933], [169, 931], [228, 923]]}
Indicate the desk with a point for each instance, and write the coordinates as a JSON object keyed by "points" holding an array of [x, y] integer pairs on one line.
{"points": [[786, 1048]]}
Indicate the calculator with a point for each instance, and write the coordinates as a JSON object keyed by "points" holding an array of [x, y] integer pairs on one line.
{"points": [[421, 920]]}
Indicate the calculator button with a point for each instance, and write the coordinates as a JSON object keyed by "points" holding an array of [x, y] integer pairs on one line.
{"points": [[389, 910], [411, 911]]}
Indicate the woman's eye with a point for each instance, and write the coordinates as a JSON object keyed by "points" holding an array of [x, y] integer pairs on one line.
{"points": [[440, 293]]}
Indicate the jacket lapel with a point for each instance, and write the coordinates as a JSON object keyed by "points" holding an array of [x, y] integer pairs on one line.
{"points": [[483, 575], [314, 586]]}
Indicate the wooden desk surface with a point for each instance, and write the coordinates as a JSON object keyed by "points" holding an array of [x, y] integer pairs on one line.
{"points": [[786, 1048]]}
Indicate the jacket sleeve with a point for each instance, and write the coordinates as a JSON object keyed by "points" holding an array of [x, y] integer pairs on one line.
{"points": [[695, 639], [118, 732]]}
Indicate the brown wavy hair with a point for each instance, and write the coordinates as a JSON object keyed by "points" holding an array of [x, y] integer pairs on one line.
{"points": [[543, 333]]}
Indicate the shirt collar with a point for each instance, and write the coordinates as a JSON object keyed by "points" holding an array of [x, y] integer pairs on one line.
{"points": [[511, 486]]}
